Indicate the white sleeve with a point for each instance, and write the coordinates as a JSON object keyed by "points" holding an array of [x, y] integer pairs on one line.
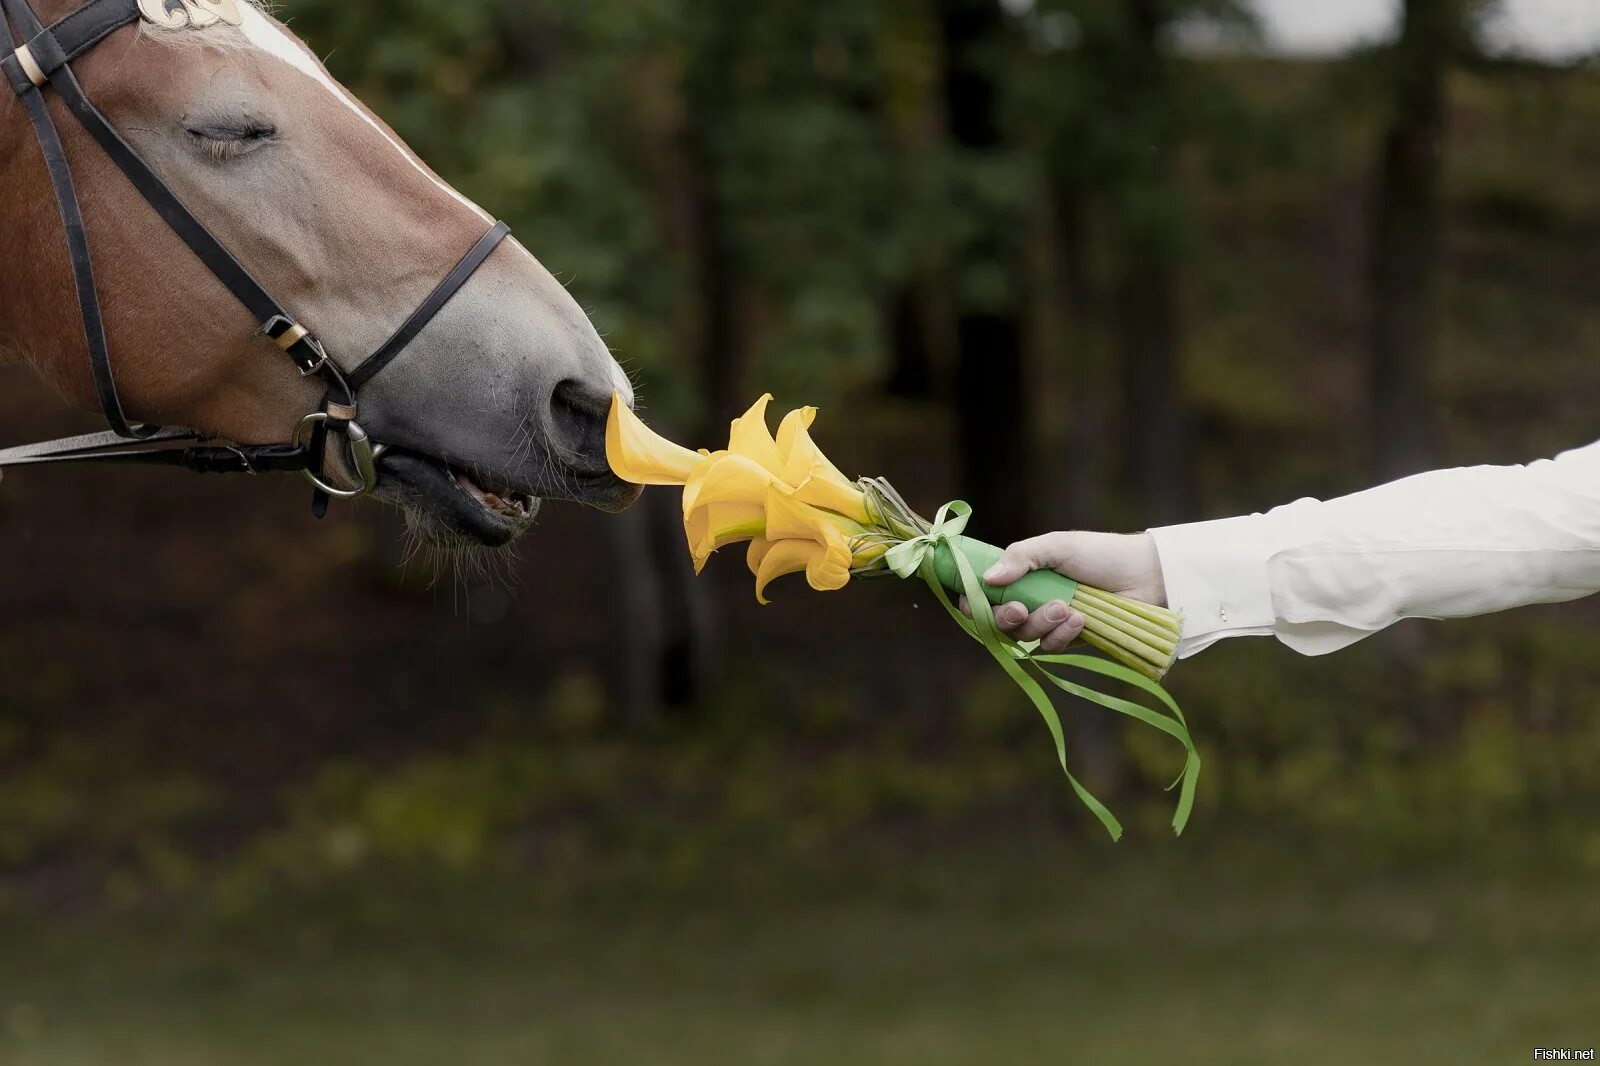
{"points": [[1447, 544]]}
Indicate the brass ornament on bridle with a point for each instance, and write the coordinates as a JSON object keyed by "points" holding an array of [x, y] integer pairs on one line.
{"points": [[190, 14]]}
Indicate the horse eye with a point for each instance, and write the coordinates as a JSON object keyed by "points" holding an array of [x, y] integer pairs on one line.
{"points": [[225, 139]]}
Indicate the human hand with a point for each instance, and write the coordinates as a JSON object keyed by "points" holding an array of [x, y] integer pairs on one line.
{"points": [[1126, 564]]}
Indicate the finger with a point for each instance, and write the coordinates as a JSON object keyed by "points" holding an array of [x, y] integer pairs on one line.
{"points": [[1062, 636], [1035, 553], [1008, 616], [1042, 621]]}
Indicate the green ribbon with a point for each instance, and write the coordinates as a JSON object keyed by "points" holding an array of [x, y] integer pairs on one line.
{"points": [[917, 557]]}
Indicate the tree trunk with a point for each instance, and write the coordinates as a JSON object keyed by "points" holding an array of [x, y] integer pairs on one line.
{"points": [[721, 366], [1084, 394], [664, 642], [1155, 439], [993, 405], [1406, 225], [911, 373]]}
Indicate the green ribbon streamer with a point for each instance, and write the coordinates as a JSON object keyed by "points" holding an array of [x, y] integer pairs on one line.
{"points": [[918, 557]]}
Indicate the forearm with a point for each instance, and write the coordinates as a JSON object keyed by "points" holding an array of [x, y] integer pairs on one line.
{"points": [[1448, 544]]}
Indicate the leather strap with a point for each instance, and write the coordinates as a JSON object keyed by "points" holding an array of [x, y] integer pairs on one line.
{"points": [[76, 33], [66, 194], [160, 449], [430, 307]]}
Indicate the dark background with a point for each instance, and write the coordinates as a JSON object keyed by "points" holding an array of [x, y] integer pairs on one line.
{"points": [[273, 791]]}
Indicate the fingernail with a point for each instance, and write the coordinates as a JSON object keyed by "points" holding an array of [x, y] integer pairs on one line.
{"points": [[994, 573], [1076, 619], [1056, 612], [1008, 615]]}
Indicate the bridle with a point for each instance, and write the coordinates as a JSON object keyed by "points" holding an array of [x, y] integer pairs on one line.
{"points": [[44, 60]]}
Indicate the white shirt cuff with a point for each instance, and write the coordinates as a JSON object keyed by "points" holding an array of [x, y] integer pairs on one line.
{"points": [[1216, 575]]}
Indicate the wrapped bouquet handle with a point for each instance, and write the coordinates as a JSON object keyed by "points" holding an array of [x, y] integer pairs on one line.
{"points": [[797, 512]]}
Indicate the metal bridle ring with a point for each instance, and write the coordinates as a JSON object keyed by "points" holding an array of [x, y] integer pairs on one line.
{"points": [[363, 456]]}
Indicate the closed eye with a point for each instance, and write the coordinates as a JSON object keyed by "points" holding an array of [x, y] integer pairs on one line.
{"points": [[226, 139]]}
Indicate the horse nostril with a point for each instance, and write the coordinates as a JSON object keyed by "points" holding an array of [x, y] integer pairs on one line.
{"points": [[578, 421]]}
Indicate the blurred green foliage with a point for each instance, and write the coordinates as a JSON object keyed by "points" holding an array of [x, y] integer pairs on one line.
{"points": [[804, 141], [267, 796]]}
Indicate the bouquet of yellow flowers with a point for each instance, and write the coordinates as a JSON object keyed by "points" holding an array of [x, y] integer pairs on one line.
{"points": [[780, 495]]}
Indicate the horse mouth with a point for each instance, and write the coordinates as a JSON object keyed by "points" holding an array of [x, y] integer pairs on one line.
{"points": [[451, 505], [455, 506]]}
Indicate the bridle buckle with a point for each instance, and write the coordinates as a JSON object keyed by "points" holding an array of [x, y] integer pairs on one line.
{"points": [[360, 450], [308, 369], [290, 335]]}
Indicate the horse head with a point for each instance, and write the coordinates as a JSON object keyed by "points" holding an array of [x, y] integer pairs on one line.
{"points": [[498, 402]]}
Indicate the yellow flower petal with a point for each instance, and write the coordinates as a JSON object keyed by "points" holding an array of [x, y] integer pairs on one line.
{"points": [[759, 547], [639, 455], [783, 557], [846, 500], [749, 436], [818, 481], [830, 568], [716, 525], [800, 453], [727, 478], [790, 519], [826, 567], [788, 516]]}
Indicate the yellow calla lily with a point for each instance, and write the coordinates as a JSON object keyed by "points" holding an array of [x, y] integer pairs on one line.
{"points": [[801, 456], [716, 525], [779, 558], [843, 500], [801, 537], [749, 436], [817, 481], [724, 477], [638, 454], [824, 567], [791, 518], [759, 547], [780, 493]]}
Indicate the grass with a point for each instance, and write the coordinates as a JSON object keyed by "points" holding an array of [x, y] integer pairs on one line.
{"points": [[1148, 952]]}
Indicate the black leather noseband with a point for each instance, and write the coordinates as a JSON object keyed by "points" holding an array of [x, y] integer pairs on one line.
{"points": [[43, 61]]}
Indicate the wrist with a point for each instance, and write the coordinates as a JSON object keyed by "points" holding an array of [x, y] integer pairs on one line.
{"points": [[1153, 589]]}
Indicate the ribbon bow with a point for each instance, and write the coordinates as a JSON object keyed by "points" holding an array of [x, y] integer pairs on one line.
{"points": [[908, 557], [922, 557]]}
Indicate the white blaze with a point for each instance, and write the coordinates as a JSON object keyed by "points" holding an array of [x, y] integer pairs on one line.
{"points": [[270, 38]]}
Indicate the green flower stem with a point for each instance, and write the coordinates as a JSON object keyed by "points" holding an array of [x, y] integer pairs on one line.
{"points": [[1117, 653], [1125, 609], [1152, 647], [1162, 640], [1161, 617]]}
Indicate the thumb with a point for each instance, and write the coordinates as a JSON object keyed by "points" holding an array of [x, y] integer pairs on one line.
{"points": [[1009, 567], [1044, 552]]}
